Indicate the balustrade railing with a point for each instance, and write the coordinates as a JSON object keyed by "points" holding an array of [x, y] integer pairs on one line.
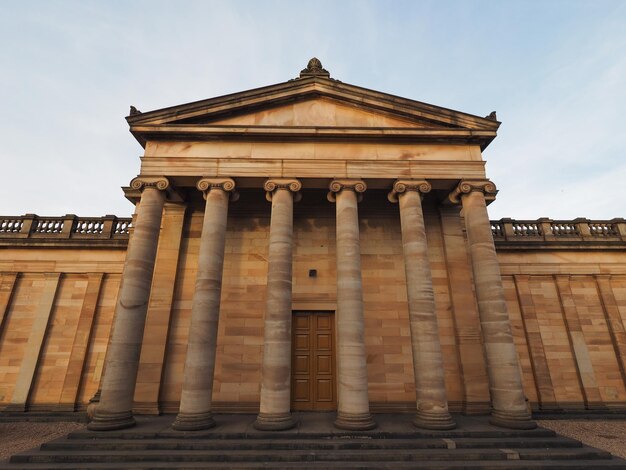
{"points": [[547, 230], [11, 225], [564, 228], [497, 228], [88, 226], [603, 229], [109, 226], [525, 228], [122, 226], [50, 225], [70, 226]]}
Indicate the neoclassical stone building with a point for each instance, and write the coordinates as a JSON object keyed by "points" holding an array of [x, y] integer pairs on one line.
{"points": [[311, 246]]}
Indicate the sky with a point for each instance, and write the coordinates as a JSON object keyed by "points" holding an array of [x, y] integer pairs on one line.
{"points": [[555, 72]]}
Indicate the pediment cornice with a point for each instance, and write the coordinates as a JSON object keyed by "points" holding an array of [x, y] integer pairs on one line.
{"points": [[198, 119]]}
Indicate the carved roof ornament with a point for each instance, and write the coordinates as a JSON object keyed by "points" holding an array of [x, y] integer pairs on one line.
{"points": [[314, 69], [134, 111], [492, 116]]}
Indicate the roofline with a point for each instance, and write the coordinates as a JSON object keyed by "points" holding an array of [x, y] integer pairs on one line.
{"points": [[298, 84]]}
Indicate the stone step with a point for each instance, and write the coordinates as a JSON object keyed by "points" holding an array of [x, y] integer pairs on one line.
{"points": [[306, 456], [581, 464], [215, 434], [306, 444], [316, 444], [42, 417]]}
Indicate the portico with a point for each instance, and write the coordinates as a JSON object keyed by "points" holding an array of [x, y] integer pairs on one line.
{"points": [[376, 176]]}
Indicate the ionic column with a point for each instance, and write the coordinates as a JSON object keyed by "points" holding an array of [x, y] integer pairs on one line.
{"points": [[118, 384], [274, 413], [353, 403], [505, 381], [430, 386], [195, 402]]}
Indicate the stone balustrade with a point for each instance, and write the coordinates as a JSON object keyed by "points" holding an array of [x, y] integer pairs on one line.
{"points": [[504, 230], [548, 230], [67, 227]]}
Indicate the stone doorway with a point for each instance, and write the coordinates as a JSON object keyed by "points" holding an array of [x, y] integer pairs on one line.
{"points": [[313, 376]]}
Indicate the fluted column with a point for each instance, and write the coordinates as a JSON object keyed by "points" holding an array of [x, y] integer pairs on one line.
{"points": [[430, 386], [195, 401], [505, 381], [353, 403], [274, 413], [120, 375]]}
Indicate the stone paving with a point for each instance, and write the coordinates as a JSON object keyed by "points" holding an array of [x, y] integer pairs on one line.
{"points": [[18, 437], [607, 435]]}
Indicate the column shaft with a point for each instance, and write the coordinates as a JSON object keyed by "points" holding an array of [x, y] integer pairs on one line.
{"points": [[353, 402], [505, 382], [466, 322], [430, 386], [118, 384], [274, 413], [195, 401]]}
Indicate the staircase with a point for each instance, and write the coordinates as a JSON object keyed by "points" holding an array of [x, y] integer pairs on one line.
{"points": [[316, 444]]}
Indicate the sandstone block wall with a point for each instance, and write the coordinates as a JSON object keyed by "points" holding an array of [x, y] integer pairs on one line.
{"points": [[56, 310], [567, 308], [568, 311]]}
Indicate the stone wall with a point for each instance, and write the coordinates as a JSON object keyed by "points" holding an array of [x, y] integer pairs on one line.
{"points": [[566, 298], [56, 311]]}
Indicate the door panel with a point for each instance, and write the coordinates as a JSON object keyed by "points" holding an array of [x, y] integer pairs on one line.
{"points": [[313, 362], [302, 342], [301, 365], [323, 365], [324, 390], [324, 342], [302, 391]]}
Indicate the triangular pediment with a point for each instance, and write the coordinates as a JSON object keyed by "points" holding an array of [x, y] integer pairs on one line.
{"points": [[317, 112], [301, 106]]}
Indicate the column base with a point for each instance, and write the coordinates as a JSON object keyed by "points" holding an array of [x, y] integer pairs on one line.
{"points": [[93, 404], [434, 420], [355, 422], [274, 422], [512, 420], [105, 421], [193, 421]]}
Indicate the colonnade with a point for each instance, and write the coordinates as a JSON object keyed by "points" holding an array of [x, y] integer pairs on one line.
{"points": [[115, 408]]}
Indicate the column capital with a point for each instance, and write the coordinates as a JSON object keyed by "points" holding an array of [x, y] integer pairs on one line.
{"points": [[225, 184], [161, 183], [338, 185], [142, 182], [403, 186], [290, 184], [486, 187]]}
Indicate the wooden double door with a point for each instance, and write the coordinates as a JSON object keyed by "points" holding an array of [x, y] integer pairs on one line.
{"points": [[313, 362]]}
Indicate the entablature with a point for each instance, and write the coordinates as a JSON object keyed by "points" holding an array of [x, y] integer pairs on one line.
{"points": [[181, 132]]}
